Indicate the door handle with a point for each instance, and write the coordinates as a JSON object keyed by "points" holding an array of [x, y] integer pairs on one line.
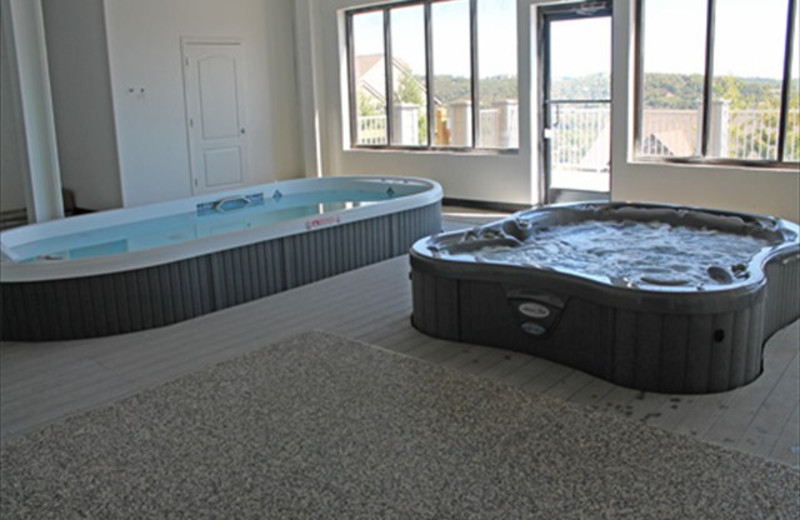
{"points": [[242, 131]]}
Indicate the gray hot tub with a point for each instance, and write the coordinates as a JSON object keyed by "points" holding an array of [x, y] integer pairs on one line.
{"points": [[654, 297]]}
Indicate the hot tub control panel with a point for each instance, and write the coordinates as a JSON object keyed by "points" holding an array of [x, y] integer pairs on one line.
{"points": [[537, 313]]}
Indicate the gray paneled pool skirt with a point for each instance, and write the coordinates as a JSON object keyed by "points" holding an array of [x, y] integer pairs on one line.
{"points": [[320, 426]]}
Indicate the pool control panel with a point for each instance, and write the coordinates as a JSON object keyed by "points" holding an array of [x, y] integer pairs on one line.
{"points": [[537, 312]]}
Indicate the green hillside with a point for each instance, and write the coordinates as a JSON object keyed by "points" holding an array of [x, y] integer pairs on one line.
{"points": [[675, 91], [681, 91]]}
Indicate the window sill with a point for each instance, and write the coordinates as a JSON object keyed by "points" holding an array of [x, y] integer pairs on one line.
{"points": [[792, 167], [478, 152]]}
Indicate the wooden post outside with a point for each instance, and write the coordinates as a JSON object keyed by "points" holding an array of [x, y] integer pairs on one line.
{"points": [[442, 132]]}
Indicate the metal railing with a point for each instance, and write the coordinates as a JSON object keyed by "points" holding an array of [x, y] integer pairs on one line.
{"points": [[372, 129], [736, 134], [581, 134], [580, 137], [753, 134], [499, 127], [490, 124]]}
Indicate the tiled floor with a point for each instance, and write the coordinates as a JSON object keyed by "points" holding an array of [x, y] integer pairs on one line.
{"points": [[43, 382]]}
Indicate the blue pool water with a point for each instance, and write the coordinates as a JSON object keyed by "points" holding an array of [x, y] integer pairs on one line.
{"points": [[204, 222]]}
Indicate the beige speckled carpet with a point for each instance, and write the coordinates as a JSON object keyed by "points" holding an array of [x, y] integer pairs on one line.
{"points": [[319, 426]]}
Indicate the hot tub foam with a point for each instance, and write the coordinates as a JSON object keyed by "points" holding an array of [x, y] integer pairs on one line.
{"points": [[654, 297]]}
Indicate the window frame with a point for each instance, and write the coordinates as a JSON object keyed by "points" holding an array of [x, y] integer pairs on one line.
{"points": [[708, 79], [430, 108]]}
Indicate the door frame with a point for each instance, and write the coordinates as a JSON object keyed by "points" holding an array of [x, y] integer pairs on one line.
{"points": [[544, 15], [186, 42]]}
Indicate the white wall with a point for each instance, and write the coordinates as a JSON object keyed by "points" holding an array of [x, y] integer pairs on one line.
{"points": [[771, 192], [287, 140], [514, 179], [145, 53], [81, 88], [485, 177], [12, 144]]}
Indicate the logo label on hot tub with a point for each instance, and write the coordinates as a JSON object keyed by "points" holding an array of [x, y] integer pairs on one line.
{"points": [[321, 222], [532, 328], [534, 310]]}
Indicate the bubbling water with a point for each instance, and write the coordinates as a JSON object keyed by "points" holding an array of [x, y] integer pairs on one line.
{"points": [[635, 253]]}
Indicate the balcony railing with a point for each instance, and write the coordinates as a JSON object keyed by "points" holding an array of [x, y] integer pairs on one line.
{"points": [[734, 134], [753, 134], [581, 134], [499, 126], [372, 129], [580, 137]]}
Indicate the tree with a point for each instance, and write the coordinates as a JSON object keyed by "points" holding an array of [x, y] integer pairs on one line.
{"points": [[409, 90], [368, 105], [756, 124], [753, 104]]}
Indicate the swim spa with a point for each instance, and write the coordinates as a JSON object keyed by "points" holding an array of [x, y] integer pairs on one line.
{"points": [[139, 268], [653, 297]]}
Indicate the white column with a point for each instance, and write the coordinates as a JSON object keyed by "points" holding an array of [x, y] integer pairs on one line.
{"points": [[405, 124], [718, 137], [460, 123], [507, 118], [43, 178], [308, 66], [700, 115]]}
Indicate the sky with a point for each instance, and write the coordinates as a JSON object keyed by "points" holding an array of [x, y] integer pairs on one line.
{"points": [[749, 38], [580, 47], [496, 33]]}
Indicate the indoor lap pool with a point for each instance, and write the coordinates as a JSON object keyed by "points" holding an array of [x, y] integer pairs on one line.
{"points": [[654, 297], [138, 268]]}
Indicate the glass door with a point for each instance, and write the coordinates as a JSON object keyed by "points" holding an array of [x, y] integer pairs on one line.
{"points": [[575, 101]]}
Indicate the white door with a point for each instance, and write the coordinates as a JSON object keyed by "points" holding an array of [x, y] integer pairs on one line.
{"points": [[213, 88]]}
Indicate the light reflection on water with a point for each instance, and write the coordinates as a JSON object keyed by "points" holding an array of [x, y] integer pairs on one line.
{"points": [[184, 227]]}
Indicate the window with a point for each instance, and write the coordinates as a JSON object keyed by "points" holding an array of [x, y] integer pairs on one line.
{"points": [[717, 81], [433, 74]]}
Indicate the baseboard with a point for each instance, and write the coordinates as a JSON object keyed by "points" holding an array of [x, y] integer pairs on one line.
{"points": [[562, 196], [13, 218], [505, 207]]}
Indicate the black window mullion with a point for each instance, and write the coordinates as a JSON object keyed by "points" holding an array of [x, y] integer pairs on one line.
{"points": [[707, 107], [545, 120], [709, 77], [429, 94], [783, 127], [639, 81], [389, 72], [351, 80], [474, 79]]}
